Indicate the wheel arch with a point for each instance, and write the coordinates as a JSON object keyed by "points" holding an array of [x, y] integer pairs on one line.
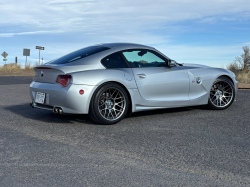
{"points": [[226, 76]]}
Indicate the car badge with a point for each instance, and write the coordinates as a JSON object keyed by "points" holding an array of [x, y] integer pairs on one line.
{"points": [[42, 74], [198, 80]]}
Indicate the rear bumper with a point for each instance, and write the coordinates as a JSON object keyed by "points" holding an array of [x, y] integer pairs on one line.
{"points": [[68, 99]]}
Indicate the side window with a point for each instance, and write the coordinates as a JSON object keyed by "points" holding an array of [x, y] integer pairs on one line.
{"points": [[114, 61], [140, 58]]}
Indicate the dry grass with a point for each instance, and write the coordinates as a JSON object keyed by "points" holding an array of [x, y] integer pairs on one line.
{"points": [[16, 70], [243, 77]]}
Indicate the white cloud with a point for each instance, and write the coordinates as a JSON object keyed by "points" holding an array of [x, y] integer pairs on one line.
{"points": [[140, 15], [68, 1], [210, 20], [28, 33]]}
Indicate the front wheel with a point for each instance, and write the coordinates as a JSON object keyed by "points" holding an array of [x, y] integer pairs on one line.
{"points": [[222, 94], [109, 104]]}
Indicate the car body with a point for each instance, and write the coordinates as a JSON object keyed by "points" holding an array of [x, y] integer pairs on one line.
{"points": [[149, 85]]}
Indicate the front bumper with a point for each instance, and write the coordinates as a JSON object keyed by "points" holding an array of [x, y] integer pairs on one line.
{"points": [[236, 83], [66, 98]]}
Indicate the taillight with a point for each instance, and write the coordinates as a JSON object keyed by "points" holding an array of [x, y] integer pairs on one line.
{"points": [[64, 80]]}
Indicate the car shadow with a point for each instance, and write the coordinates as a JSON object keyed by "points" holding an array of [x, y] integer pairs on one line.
{"points": [[47, 116], [26, 111]]}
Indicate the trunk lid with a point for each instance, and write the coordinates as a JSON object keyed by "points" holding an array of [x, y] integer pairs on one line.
{"points": [[47, 74]]}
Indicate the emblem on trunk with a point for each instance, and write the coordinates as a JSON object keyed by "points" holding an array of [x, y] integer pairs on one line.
{"points": [[42, 74]]}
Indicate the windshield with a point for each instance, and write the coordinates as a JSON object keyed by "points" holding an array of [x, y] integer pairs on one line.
{"points": [[82, 53]]}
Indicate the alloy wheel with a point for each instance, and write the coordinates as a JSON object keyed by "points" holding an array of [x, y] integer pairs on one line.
{"points": [[111, 104], [221, 94]]}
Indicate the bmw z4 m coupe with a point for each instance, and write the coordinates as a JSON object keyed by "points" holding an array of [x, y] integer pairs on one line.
{"points": [[108, 81]]}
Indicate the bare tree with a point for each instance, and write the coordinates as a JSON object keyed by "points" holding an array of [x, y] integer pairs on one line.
{"points": [[244, 59]]}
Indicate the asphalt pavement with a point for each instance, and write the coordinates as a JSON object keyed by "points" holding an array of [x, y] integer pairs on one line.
{"points": [[190, 146]]}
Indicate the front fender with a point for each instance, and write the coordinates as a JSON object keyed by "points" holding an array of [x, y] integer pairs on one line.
{"points": [[208, 77]]}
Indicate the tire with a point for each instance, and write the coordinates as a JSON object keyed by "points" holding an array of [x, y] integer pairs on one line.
{"points": [[109, 104], [222, 94]]}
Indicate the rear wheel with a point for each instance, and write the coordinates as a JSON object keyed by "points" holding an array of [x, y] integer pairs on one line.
{"points": [[222, 94], [109, 104]]}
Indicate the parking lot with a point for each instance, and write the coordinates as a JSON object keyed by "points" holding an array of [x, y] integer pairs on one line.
{"points": [[190, 146]]}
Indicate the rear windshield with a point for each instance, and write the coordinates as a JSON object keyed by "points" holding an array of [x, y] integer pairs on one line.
{"points": [[82, 53]]}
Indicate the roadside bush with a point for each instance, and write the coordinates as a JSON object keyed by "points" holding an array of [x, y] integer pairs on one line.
{"points": [[12, 67], [234, 67], [243, 77], [240, 66]]}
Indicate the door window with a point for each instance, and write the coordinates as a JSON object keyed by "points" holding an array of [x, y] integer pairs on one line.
{"points": [[141, 58]]}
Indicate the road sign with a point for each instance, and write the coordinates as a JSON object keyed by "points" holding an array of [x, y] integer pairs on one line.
{"points": [[26, 52], [4, 54], [39, 47], [5, 59]]}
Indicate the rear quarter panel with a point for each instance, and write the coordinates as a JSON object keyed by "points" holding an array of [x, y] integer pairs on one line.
{"points": [[98, 77]]}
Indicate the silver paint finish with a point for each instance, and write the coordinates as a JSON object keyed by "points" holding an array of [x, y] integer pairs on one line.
{"points": [[149, 88]]}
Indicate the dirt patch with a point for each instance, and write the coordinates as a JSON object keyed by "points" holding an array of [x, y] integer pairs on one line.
{"points": [[244, 86]]}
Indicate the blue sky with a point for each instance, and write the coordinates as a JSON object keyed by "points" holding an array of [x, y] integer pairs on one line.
{"points": [[189, 31]]}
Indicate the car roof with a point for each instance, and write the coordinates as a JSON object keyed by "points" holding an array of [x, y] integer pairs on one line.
{"points": [[115, 45]]}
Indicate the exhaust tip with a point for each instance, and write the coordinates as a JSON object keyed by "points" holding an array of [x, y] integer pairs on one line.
{"points": [[58, 110], [32, 105]]}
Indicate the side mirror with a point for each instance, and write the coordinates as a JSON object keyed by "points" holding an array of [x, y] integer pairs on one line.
{"points": [[171, 63]]}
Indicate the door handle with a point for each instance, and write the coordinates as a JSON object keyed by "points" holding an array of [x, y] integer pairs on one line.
{"points": [[141, 76]]}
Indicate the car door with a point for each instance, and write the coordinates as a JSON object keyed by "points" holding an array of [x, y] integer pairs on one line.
{"points": [[155, 80]]}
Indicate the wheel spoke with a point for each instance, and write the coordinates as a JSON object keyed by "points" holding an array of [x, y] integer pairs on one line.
{"points": [[115, 112], [119, 102], [228, 93], [101, 105], [119, 106], [213, 97], [223, 101], [113, 93], [111, 113]]}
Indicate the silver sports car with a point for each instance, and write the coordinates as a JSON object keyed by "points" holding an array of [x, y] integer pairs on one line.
{"points": [[109, 81]]}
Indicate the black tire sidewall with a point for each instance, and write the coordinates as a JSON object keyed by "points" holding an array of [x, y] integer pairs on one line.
{"points": [[222, 108], [94, 103]]}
